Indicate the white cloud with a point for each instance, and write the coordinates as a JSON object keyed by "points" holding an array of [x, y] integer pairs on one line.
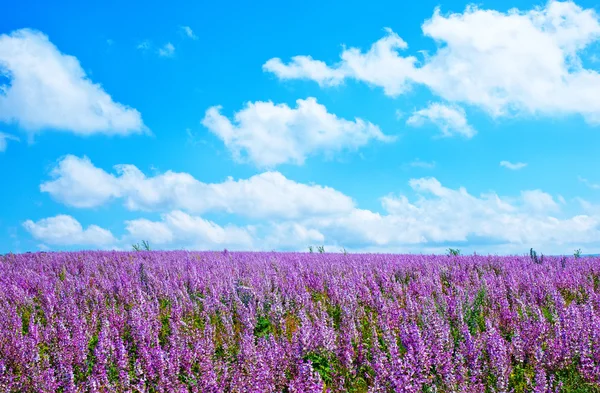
{"points": [[305, 67], [292, 235], [513, 166], [168, 50], [268, 134], [539, 201], [77, 182], [144, 45], [4, 138], [444, 216], [63, 230], [202, 231], [189, 32], [422, 164], [380, 66], [562, 199], [175, 229], [518, 62], [588, 207], [151, 231], [593, 186], [49, 90], [451, 120], [191, 231], [438, 217]]}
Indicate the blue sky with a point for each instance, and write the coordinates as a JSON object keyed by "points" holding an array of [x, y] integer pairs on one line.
{"points": [[377, 126]]}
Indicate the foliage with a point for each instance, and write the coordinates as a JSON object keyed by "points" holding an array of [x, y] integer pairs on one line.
{"points": [[453, 252], [263, 327], [534, 257], [144, 246]]}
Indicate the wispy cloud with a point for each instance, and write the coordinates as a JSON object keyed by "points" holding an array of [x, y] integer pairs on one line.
{"points": [[4, 138], [422, 164], [450, 119], [593, 186], [189, 32], [144, 45], [513, 166], [193, 138], [167, 51]]}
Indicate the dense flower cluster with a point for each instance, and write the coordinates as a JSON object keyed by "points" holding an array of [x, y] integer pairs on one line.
{"points": [[291, 322]]}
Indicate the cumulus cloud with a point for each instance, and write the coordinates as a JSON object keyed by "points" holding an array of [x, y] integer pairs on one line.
{"points": [[4, 138], [49, 90], [269, 134], [64, 230], [191, 231], [451, 120], [379, 66], [513, 166], [517, 62], [539, 201], [283, 214], [292, 235], [175, 229], [305, 67], [151, 231], [441, 215], [77, 182], [437, 216]]}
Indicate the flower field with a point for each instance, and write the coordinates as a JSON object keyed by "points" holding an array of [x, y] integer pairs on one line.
{"points": [[290, 322]]}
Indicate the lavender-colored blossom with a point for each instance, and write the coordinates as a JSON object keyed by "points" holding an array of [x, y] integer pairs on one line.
{"points": [[272, 322]]}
